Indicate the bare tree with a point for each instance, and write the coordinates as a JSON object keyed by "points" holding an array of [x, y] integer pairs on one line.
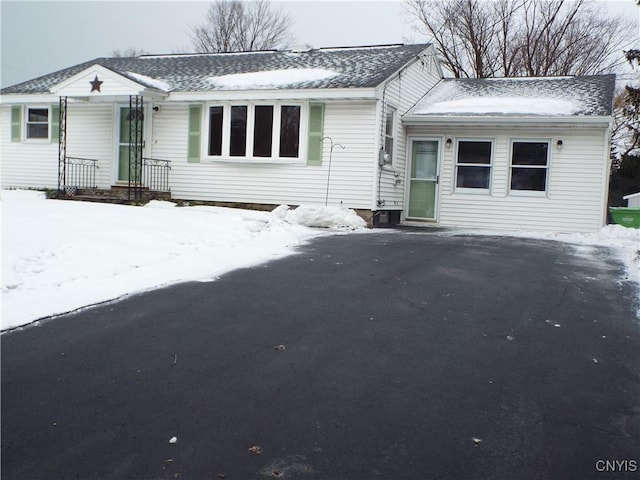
{"points": [[128, 52], [477, 38], [240, 26]]}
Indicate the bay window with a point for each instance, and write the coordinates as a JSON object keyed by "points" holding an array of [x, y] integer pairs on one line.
{"points": [[254, 131]]}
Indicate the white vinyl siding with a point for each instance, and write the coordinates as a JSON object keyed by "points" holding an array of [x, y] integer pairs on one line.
{"points": [[576, 184], [35, 164], [351, 124], [402, 93]]}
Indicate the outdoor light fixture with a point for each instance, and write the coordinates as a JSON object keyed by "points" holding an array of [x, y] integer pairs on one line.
{"points": [[559, 143], [156, 108], [449, 142]]}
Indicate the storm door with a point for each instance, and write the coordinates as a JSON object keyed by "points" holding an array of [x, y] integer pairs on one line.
{"points": [[130, 137], [423, 184]]}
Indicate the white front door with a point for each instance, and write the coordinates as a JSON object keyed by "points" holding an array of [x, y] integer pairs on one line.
{"points": [[423, 181]]}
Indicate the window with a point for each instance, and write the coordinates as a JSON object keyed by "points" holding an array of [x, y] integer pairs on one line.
{"points": [[254, 131], [290, 131], [238, 147], [389, 133], [215, 130], [529, 165], [473, 165], [38, 123], [263, 131]]}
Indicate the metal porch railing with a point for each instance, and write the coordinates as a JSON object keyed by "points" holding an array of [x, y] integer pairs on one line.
{"points": [[155, 174], [77, 173]]}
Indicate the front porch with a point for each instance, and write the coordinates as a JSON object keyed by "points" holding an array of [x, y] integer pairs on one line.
{"points": [[122, 172]]}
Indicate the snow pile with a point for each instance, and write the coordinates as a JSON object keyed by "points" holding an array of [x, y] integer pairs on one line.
{"points": [[59, 256], [499, 106], [317, 216], [272, 78]]}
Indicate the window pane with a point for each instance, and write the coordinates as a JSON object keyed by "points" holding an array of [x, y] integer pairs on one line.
{"points": [[289, 131], [425, 160], [238, 147], [473, 177], [389, 123], [215, 130], [263, 131], [388, 147], [530, 153], [38, 115], [37, 130], [529, 179], [474, 152]]}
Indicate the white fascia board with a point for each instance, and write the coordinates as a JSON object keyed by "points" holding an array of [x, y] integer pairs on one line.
{"points": [[289, 94], [632, 195], [12, 99], [538, 121]]}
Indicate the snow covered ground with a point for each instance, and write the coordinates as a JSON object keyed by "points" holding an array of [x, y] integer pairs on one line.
{"points": [[58, 256]]}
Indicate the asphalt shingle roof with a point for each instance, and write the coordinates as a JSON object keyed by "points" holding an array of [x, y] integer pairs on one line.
{"points": [[357, 67], [586, 95]]}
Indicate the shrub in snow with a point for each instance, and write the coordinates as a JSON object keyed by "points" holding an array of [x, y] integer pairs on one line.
{"points": [[326, 217]]}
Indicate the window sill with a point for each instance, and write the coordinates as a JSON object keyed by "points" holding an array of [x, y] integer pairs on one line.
{"points": [[258, 161], [473, 191], [528, 193]]}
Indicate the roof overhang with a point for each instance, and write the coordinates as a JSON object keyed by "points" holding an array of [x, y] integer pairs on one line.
{"points": [[532, 121], [276, 94], [98, 83]]}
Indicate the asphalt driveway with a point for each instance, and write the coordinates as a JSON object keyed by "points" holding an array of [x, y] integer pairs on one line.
{"points": [[392, 355]]}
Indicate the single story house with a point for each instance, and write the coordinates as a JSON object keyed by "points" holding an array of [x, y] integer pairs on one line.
{"points": [[377, 129]]}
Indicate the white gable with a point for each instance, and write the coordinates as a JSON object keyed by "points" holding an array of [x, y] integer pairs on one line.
{"points": [[98, 82]]}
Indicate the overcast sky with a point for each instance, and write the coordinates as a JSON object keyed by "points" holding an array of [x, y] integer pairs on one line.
{"points": [[45, 36]]}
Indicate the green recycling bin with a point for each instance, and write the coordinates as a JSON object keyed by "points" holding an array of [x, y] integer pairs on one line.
{"points": [[626, 216]]}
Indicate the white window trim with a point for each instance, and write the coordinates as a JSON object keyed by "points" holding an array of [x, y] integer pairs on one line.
{"points": [[275, 145], [477, 191], [529, 193], [25, 123]]}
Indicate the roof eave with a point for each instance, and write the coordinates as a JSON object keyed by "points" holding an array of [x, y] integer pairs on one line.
{"points": [[268, 94], [506, 120]]}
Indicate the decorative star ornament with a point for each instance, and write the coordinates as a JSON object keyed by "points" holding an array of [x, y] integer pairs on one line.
{"points": [[95, 85]]}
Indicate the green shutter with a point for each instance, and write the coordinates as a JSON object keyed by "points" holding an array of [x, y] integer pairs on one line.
{"points": [[16, 123], [54, 121], [195, 119], [316, 124]]}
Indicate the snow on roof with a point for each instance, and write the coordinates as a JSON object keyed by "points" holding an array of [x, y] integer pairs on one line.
{"points": [[355, 67], [501, 106], [554, 96], [271, 78], [150, 82]]}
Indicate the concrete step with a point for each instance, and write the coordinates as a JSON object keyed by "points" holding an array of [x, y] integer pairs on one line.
{"points": [[116, 194]]}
